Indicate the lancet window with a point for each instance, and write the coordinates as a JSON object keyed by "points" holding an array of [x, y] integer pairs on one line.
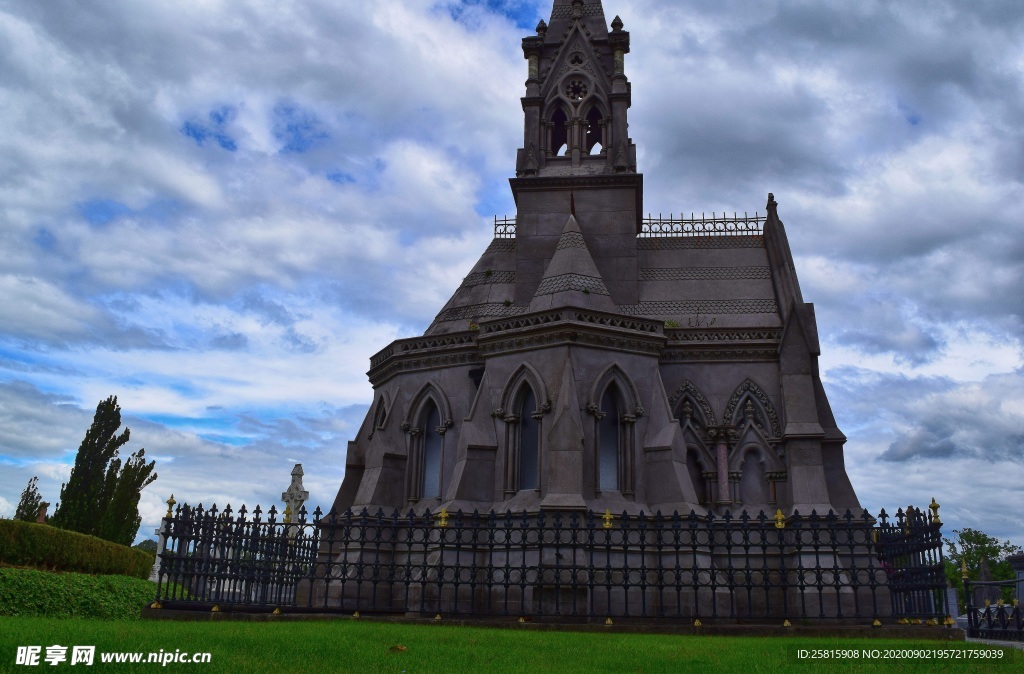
{"points": [[559, 133], [594, 140], [609, 445], [432, 441], [528, 441]]}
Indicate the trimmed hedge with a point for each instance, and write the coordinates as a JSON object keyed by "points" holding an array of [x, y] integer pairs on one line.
{"points": [[28, 592], [46, 547]]}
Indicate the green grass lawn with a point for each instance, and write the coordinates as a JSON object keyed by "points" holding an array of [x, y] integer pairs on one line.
{"points": [[348, 645]]}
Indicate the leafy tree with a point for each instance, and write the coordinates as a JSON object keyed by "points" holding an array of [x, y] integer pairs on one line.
{"points": [[101, 497], [148, 544], [28, 506], [973, 546]]}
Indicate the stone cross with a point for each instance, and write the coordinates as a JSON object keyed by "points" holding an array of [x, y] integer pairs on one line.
{"points": [[295, 496]]}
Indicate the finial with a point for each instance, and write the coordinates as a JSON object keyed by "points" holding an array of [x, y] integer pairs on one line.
{"points": [[963, 568], [780, 519], [170, 505], [616, 23], [934, 507], [442, 518], [542, 28], [608, 518]]}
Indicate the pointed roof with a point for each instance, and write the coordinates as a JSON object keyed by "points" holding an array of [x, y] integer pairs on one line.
{"points": [[591, 13], [572, 278]]}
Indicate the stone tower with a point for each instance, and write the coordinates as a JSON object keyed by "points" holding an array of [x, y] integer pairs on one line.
{"points": [[596, 359]]}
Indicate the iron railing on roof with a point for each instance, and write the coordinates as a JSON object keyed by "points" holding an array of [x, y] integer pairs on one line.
{"points": [[504, 228], [717, 225]]}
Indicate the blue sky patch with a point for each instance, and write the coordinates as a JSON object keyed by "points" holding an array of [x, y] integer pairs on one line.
{"points": [[524, 15], [102, 211], [340, 177], [296, 128], [214, 128], [45, 239]]}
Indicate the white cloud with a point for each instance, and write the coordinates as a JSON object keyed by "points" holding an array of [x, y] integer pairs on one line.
{"points": [[230, 288]]}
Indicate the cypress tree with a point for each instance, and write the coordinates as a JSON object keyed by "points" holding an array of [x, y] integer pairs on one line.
{"points": [[101, 496], [28, 506]]}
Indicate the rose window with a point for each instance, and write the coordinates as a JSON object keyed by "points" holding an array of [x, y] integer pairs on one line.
{"points": [[576, 90]]}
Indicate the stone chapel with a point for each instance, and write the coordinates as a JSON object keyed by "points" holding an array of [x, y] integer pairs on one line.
{"points": [[596, 359]]}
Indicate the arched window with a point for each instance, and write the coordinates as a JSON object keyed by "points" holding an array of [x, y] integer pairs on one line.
{"points": [[592, 143], [430, 484], [382, 414], [609, 441], [529, 441], [559, 133]]}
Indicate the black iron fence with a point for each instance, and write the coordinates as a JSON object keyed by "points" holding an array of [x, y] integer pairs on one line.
{"points": [[989, 616], [562, 565]]}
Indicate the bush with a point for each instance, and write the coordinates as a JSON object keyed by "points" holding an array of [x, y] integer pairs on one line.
{"points": [[28, 592], [46, 547]]}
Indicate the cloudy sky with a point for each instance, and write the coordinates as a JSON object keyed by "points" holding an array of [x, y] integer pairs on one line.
{"points": [[217, 211]]}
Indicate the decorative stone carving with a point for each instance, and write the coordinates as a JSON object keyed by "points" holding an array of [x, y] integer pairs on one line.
{"points": [[748, 386], [705, 274], [681, 308]]}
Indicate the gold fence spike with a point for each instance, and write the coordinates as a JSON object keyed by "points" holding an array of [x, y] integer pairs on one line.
{"points": [[608, 621], [608, 518], [215, 609], [356, 614], [437, 617], [876, 623], [786, 623], [780, 519], [442, 518], [156, 604], [697, 623], [934, 506]]}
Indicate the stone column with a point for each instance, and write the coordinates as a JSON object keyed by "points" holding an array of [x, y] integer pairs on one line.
{"points": [[720, 435]]}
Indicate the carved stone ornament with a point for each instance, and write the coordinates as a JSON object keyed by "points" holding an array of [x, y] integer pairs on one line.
{"points": [[689, 392], [593, 409], [766, 404], [405, 427]]}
